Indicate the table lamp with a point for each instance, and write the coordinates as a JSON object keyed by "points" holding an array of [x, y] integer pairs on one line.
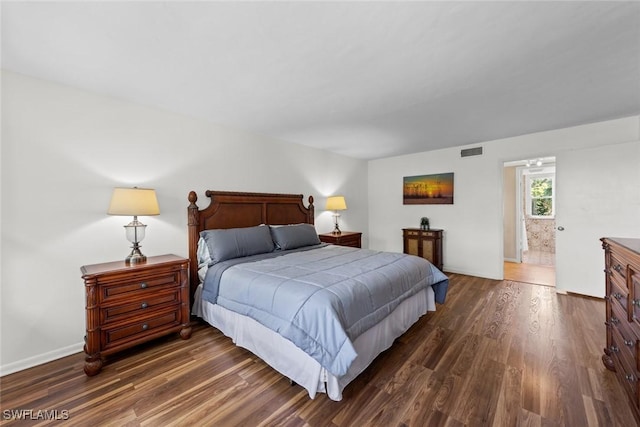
{"points": [[133, 202], [335, 204]]}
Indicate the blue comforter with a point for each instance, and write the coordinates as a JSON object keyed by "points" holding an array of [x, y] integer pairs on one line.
{"points": [[321, 299]]}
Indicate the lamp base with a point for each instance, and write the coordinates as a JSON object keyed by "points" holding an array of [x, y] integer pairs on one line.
{"points": [[135, 257], [336, 230]]}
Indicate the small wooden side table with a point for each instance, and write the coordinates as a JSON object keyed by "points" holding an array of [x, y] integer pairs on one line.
{"points": [[130, 304]]}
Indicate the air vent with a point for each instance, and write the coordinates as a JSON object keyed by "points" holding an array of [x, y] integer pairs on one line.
{"points": [[477, 151]]}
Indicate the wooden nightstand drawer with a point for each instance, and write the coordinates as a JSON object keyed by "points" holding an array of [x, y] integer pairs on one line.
{"points": [[154, 302], [127, 305], [146, 284], [352, 240], [116, 335], [346, 238]]}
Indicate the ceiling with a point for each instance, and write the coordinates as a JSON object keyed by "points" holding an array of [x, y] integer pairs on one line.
{"points": [[362, 79]]}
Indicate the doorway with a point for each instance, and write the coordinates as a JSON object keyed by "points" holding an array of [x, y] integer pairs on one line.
{"points": [[529, 220]]}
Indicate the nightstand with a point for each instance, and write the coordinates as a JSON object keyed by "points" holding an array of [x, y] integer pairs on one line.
{"points": [[131, 304], [346, 238]]}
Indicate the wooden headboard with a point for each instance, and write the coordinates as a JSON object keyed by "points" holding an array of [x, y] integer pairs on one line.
{"points": [[232, 209]]}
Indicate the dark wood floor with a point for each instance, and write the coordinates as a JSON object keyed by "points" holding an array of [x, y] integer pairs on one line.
{"points": [[498, 353]]}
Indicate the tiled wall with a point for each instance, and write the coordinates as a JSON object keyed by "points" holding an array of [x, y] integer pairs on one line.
{"points": [[541, 234]]}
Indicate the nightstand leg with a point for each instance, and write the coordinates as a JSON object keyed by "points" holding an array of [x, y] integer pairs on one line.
{"points": [[185, 333], [92, 365]]}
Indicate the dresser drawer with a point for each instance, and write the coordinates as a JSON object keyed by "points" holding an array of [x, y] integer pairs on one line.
{"points": [[628, 343], [141, 327], [129, 309], [346, 238], [620, 297], [618, 316], [634, 282], [618, 269], [626, 372], [125, 289]]}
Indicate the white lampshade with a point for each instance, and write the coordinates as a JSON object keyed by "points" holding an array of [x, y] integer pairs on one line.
{"points": [[134, 202], [336, 203]]}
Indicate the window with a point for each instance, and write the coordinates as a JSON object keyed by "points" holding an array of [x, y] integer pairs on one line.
{"points": [[541, 196]]}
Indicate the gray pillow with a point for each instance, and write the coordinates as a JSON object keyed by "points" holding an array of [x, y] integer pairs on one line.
{"points": [[231, 243], [294, 236]]}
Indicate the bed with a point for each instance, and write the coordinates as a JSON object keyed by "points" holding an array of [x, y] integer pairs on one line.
{"points": [[319, 314]]}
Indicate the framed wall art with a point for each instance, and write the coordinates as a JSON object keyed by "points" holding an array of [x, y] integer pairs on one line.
{"points": [[434, 189]]}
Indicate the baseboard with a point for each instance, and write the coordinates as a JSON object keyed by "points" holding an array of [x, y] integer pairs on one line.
{"points": [[30, 362], [512, 260], [448, 269]]}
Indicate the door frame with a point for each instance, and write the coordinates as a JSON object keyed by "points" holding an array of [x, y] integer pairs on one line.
{"points": [[521, 166]]}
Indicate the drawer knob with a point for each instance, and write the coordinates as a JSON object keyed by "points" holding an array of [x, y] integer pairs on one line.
{"points": [[617, 268], [617, 295], [145, 327], [628, 342], [615, 320], [614, 349], [143, 285], [630, 377], [635, 302], [144, 305]]}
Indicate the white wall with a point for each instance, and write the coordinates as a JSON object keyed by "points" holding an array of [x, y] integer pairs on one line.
{"points": [[473, 236], [63, 150]]}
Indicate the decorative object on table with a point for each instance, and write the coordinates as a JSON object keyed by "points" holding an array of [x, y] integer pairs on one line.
{"points": [[428, 189], [133, 202], [424, 223], [335, 204]]}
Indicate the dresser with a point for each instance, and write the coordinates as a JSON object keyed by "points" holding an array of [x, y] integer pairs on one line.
{"points": [[423, 243], [130, 304], [346, 238], [622, 354]]}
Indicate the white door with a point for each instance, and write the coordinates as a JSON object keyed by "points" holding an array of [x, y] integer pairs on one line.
{"points": [[597, 195]]}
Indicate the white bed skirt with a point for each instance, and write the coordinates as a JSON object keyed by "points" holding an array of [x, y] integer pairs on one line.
{"points": [[283, 356]]}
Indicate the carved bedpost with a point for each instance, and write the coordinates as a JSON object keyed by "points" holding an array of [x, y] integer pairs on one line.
{"points": [[312, 218], [194, 234]]}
